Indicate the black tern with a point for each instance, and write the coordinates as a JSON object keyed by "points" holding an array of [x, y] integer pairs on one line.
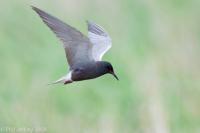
{"points": [[84, 54]]}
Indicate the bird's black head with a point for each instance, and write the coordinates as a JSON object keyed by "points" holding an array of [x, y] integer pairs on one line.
{"points": [[107, 68]]}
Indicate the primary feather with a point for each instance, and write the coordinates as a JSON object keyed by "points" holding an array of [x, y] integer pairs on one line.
{"points": [[77, 46], [100, 40]]}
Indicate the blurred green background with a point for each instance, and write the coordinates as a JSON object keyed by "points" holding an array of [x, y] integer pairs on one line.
{"points": [[155, 53]]}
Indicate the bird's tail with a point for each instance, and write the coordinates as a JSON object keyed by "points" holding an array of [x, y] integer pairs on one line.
{"points": [[61, 80], [65, 79]]}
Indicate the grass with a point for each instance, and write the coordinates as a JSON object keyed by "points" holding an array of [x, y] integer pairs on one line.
{"points": [[155, 54]]}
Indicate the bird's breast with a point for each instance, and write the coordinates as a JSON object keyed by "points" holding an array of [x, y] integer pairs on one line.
{"points": [[85, 73]]}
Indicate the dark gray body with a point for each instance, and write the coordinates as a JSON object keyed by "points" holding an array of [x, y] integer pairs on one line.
{"points": [[90, 70], [84, 63]]}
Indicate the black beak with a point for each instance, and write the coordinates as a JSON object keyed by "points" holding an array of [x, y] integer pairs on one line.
{"points": [[115, 75]]}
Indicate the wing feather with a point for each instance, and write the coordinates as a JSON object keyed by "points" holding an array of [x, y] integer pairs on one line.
{"points": [[100, 40], [77, 46]]}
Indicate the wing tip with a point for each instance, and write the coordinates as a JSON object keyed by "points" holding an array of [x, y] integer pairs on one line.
{"points": [[34, 8], [96, 29], [38, 11], [89, 21]]}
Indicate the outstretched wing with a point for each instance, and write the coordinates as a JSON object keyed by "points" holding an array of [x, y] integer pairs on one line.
{"points": [[100, 40], [77, 46]]}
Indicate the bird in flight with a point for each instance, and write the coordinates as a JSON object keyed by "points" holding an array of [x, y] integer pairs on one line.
{"points": [[84, 54]]}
